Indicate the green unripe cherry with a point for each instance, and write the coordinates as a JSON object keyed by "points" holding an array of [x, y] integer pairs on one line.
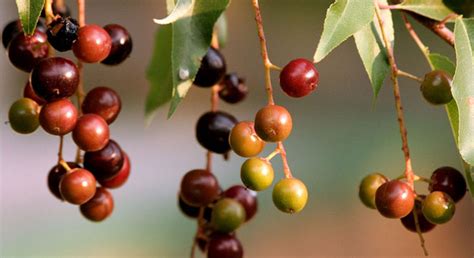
{"points": [[436, 87], [290, 195], [368, 187], [438, 207], [24, 116], [257, 174], [227, 215]]}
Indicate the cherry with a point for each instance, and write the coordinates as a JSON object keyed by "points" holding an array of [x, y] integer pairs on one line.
{"points": [[394, 199], [121, 44], [25, 52], [290, 195], [104, 102], [244, 141], [450, 181], [273, 123], [409, 220], [28, 92], [368, 188], [188, 210], [54, 178], [55, 78], [77, 186], [93, 44], [299, 78], [227, 215], [99, 207], [213, 129], [463, 7], [91, 132], [233, 89], [224, 246], [58, 117], [257, 174], [12, 29], [23, 116], [247, 198], [212, 69], [438, 207], [105, 163], [62, 32], [436, 87], [121, 177], [199, 187]]}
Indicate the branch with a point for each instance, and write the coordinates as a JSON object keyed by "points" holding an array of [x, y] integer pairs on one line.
{"points": [[436, 27]]}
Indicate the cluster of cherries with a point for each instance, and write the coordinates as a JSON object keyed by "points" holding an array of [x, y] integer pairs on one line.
{"points": [[395, 199], [52, 81]]}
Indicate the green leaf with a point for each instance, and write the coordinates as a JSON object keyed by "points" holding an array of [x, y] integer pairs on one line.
{"points": [[29, 12], [221, 30], [372, 49], [463, 86], [188, 37], [343, 19], [434, 9]]}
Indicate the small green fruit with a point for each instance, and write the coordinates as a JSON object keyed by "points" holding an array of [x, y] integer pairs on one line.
{"points": [[24, 116], [438, 207], [368, 187], [257, 174], [290, 195], [227, 215], [436, 87]]}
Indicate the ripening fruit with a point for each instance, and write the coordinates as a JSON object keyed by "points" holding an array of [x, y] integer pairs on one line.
{"points": [[199, 187], [99, 207], [368, 187], [93, 44], [273, 123], [394, 199], [224, 246], [244, 196], [450, 181], [91, 132], [299, 78], [244, 141], [227, 215], [23, 116], [409, 220], [25, 52], [77, 186], [438, 207], [257, 174], [102, 101], [436, 87], [290, 195], [58, 117], [55, 175]]}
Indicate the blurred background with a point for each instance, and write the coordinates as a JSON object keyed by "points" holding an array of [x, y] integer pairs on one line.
{"points": [[338, 137]]}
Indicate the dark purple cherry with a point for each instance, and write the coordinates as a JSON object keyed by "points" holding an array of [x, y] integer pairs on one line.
{"points": [[299, 78], [244, 196], [99, 207], [199, 188], [450, 181], [10, 31], [55, 78], [409, 220], [121, 44], [233, 89], [62, 33], [213, 130], [106, 162], [224, 246], [55, 175], [212, 69], [104, 102], [121, 177], [25, 52], [186, 209]]}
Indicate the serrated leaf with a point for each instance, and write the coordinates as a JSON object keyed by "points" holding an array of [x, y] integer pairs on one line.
{"points": [[463, 86], [372, 49], [434, 9], [343, 19], [29, 12], [190, 39]]}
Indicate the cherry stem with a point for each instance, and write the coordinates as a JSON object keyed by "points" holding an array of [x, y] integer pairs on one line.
{"points": [[273, 154], [286, 167], [65, 165], [424, 49], [409, 76], [209, 161], [80, 89], [60, 151], [418, 231], [200, 220]]}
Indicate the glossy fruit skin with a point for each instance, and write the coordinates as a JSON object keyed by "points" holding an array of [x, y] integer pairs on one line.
{"points": [[10, 31], [62, 32], [368, 187], [104, 102], [121, 44], [233, 89], [257, 174], [290, 195], [58, 117], [78, 186], [23, 116], [91, 132], [438, 207], [450, 181], [244, 141], [394, 199], [213, 130], [224, 246], [55, 78], [105, 163], [212, 69], [93, 44], [186, 209], [299, 78], [199, 188], [25, 52], [28, 92], [227, 215], [436, 87], [99, 207], [246, 197], [122, 176], [463, 7], [54, 178], [409, 221], [273, 123]]}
